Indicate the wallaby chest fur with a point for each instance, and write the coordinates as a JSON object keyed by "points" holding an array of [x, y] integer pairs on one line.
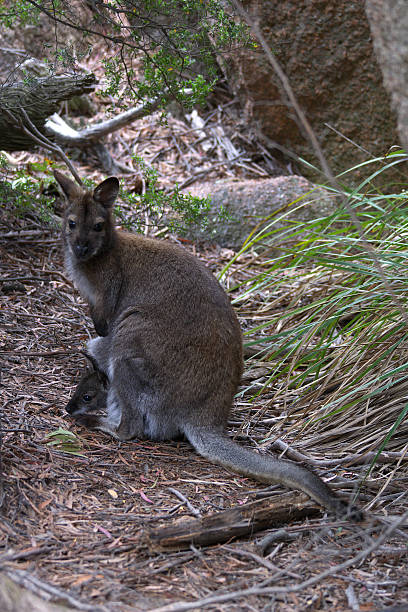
{"points": [[169, 343]]}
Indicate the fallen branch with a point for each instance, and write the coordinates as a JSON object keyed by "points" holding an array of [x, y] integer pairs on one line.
{"points": [[235, 522], [65, 134], [39, 99], [355, 459], [185, 501], [91, 136]]}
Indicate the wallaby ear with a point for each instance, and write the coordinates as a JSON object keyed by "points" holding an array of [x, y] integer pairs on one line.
{"points": [[70, 188], [91, 360], [103, 379], [106, 192]]}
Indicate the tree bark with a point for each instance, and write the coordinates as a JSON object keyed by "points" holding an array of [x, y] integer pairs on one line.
{"points": [[39, 98], [237, 522]]}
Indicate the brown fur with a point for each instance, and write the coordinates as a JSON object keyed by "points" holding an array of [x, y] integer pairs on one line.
{"points": [[169, 342]]}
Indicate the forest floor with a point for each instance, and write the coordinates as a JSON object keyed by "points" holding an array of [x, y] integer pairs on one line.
{"points": [[80, 517]]}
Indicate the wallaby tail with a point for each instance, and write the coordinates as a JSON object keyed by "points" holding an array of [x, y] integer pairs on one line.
{"points": [[220, 449]]}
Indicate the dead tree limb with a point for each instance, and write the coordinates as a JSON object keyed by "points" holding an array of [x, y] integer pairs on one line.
{"points": [[236, 522], [39, 98], [66, 135], [91, 137]]}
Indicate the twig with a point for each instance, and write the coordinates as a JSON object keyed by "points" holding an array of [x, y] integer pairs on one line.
{"points": [[40, 139], [23, 554], [351, 598], [48, 591], [13, 279], [2, 493], [182, 156], [39, 354], [27, 431], [356, 459], [46, 230], [185, 501], [265, 562], [276, 537], [171, 564], [201, 173]]}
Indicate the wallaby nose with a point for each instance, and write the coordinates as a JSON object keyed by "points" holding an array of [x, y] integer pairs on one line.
{"points": [[81, 250], [71, 406]]}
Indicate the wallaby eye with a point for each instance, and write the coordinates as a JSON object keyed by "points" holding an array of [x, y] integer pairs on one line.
{"points": [[86, 397], [98, 227], [71, 224]]}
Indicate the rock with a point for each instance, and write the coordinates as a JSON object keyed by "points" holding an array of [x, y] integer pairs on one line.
{"points": [[326, 51], [389, 26], [249, 201]]}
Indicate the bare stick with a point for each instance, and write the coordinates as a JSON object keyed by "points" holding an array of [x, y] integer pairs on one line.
{"points": [[355, 459], [47, 591], [185, 501], [56, 126], [42, 140]]}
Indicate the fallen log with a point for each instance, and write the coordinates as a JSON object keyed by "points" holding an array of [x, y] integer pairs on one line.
{"points": [[39, 98], [234, 523]]}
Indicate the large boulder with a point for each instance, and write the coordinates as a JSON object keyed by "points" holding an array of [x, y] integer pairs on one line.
{"points": [[325, 49], [248, 202], [389, 26]]}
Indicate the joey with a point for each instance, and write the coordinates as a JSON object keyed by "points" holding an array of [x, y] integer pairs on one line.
{"points": [[90, 395], [168, 341]]}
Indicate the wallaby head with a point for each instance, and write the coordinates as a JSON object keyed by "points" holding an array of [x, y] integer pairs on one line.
{"points": [[87, 225], [90, 394]]}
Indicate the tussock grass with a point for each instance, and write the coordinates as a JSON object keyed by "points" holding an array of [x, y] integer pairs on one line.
{"points": [[332, 338]]}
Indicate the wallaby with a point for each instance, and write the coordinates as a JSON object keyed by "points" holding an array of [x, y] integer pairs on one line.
{"points": [[91, 394], [170, 343]]}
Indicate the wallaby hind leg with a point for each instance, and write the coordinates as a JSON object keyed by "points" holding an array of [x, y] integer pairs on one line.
{"points": [[130, 397]]}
